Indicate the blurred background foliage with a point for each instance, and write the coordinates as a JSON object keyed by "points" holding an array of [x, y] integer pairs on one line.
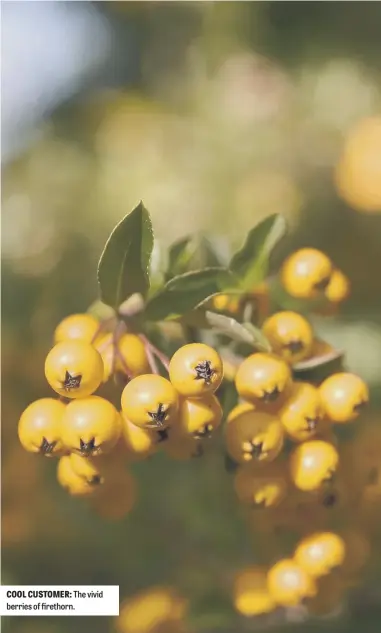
{"points": [[216, 115]]}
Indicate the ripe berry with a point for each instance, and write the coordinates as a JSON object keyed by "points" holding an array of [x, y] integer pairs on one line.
{"points": [[39, 428], [261, 488], [150, 401], [306, 273], [302, 412], [253, 435], [116, 497], [95, 470], [343, 395], [157, 609], [313, 464], [77, 327], [338, 288], [289, 583], [263, 378], [290, 335], [226, 303], [71, 482], [250, 593], [320, 553], [91, 426], [195, 370], [200, 417], [74, 369], [139, 442], [132, 350]]}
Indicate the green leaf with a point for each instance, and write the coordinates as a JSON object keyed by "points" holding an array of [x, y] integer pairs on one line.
{"points": [[240, 332], [123, 268], [101, 311], [179, 256], [250, 263], [185, 292]]}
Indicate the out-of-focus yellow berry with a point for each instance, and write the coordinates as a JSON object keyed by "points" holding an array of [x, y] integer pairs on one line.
{"points": [[289, 334], [306, 273], [77, 327], [358, 173], [151, 611], [250, 593]]}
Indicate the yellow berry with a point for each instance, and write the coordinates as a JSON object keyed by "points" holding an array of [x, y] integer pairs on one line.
{"points": [[139, 442], [40, 426], [158, 608], [199, 417], [77, 327], [313, 464], [104, 345], [91, 426], [338, 288], [343, 395], [250, 593], [220, 302], [306, 273], [253, 435], [97, 470], [70, 481], [261, 488], [302, 412], [263, 378], [289, 334], [150, 401], [289, 584], [133, 353], [320, 553], [74, 369], [195, 370]]}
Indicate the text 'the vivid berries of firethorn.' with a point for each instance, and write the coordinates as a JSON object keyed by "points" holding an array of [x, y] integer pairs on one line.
{"points": [[150, 401], [343, 395], [320, 553], [195, 370], [289, 334], [91, 426], [263, 378], [306, 273], [74, 369], [313, 464], [40, 427]]}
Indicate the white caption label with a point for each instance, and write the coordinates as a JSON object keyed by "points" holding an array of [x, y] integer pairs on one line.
{"points": [[59, 600]]}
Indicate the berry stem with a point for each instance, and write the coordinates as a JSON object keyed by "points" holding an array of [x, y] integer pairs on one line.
{"points": [[102, 326], [153, 351]]}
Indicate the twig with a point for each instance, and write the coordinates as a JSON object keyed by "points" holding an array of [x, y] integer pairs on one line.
{"points": [[153, 351], [151, 360]]}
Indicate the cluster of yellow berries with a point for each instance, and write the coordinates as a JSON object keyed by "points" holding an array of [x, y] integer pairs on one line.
{"points": [[96, 440], [280, 436]]}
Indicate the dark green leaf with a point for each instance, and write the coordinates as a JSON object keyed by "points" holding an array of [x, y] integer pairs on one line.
{"points": [[123, 268], [240, 332], [185, 292], [180, 254], [250, 263]]}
